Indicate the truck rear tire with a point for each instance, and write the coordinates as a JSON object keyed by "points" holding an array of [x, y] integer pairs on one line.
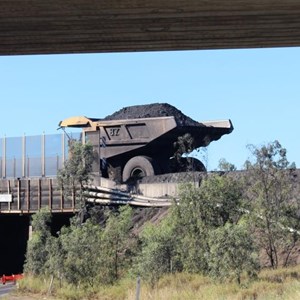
{"points": [[186, 165], [138, 167]]}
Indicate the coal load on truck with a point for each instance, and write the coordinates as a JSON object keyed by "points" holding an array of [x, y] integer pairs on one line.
{"points": [[141, 140]]}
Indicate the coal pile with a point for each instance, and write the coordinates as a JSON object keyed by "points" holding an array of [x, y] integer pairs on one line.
{"points": [[151, 111]]}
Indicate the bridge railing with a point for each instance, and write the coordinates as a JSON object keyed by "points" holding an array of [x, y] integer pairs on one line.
{"points": [[34, 156], [29, 195]]}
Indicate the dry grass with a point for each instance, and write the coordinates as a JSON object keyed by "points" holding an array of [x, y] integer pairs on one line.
{"points": [[283, 284], [280, 285]]}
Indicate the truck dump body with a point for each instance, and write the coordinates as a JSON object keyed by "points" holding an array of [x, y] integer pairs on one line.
{"points": [[146, 141]]}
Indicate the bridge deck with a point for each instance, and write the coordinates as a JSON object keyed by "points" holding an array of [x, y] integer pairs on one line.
{"points": [[26, 196]]}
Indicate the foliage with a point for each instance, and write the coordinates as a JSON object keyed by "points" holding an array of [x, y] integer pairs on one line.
{"points": [[191, 216], [182, 161], [221, 201], [185, 239], [56, 258], [87, 252], [83, 257], [214, 229], [232, 252], [84, 254], [37, 250], [215, 204], [184, 144], [270, 193], [76, 171], [158, 255], [93, 254], [226, 166], [116, 244]]}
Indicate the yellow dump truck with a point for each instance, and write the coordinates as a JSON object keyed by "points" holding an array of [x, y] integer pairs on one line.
{"points": [[143, 146]]}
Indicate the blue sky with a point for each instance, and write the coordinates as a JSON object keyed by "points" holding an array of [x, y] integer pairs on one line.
{"points": [[257, 89]]}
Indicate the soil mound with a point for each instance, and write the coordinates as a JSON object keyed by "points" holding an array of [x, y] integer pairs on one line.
{"points": [[151, 111]]}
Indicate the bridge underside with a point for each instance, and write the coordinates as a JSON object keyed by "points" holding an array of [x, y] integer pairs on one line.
{"points": [[14, 232], [89, 26]]}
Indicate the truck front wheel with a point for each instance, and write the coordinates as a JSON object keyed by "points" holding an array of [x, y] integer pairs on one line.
{"points": [[138, 167]]}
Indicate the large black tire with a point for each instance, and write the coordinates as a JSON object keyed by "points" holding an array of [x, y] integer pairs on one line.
{"points": [[197, 165], [186, 164], [138, 167]]}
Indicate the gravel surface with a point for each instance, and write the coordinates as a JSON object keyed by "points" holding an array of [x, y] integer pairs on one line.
{"points": [[151, 111], [179, 177]]}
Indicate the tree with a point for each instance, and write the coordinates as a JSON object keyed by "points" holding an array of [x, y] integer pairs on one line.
{"points": [[158, 255], [202, 233], [56, 258], [89, 253], [116, 243], [82, 248], [222, 200], [184, 145], [212, 229], [270, 193], [37, 251], [226, 166], [191, 217], [76, 171], [86, 252], [232, 252], [215, 203]]}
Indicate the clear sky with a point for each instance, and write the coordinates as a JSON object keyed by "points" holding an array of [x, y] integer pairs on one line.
{"points": [[257, 89]]}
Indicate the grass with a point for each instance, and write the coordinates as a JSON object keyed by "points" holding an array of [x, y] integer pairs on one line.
{"points": [[283, 284]]}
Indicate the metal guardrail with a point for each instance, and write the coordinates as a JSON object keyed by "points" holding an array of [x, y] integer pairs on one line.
{"points": [[11, 278], [112, 196]]}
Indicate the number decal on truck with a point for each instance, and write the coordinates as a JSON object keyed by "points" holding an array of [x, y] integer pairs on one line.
{"points": [[114, 132]]}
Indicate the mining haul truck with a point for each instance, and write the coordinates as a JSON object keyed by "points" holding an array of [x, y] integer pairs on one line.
{"points": [[132, 148]]}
